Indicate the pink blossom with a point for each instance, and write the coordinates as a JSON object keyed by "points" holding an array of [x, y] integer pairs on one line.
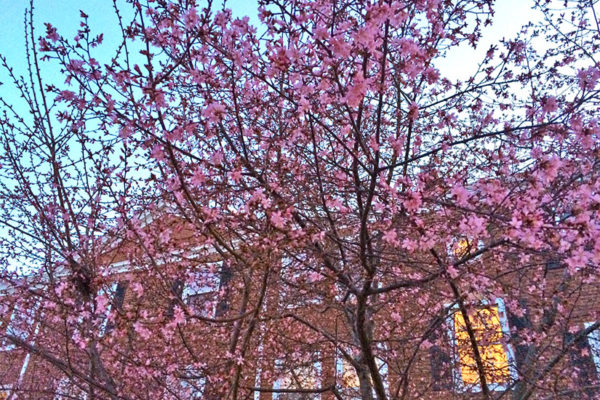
{"points": [[452, 271], [102, 302], [356, 91], [138, 289], [588, 78], [413, 111], [216, 158], [214, 112], [549, 105], [158, 153], [191, 18], [141, 330], [461, 194], [390, 236], [179, 316], [277, 220], [51, 32], [198, 178]]}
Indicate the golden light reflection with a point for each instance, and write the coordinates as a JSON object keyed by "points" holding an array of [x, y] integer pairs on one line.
{"points": [[488, 334], [304, 377], [349, 376], [461, 247]]}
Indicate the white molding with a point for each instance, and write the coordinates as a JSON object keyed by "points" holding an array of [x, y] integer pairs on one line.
{"points": [[63, 390], [201, 382], [594, 341], [110, 293]]}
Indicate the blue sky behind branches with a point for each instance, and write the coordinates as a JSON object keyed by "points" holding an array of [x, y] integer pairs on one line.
{"points": [[64, 14], [461, 62]]}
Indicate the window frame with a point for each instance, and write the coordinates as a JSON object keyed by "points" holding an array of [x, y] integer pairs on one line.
{"points": [[188, 291], [257, 378], [197, 390], [111, 293], [22, 333], [5, 344], [340, 362], [459, 385]]}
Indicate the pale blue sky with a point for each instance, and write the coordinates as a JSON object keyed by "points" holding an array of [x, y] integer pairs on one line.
{"points": [[64, 14]]}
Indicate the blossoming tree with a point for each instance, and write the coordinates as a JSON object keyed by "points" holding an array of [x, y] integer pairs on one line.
{"points": [[306, 208]]}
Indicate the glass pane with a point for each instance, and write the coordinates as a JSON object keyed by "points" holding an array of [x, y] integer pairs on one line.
{"points": [[348, 374], [301, 377], [488, 333]]}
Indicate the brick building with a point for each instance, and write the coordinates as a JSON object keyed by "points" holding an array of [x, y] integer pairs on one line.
{"points": [[172, 318]]}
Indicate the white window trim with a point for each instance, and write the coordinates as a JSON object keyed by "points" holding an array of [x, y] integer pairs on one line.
{"points": [[510, 355], [259, 360], [594, 342], [189, 291], [61, 390], [258, 370], [318, 381], [111, 298], [7, 345], [58, 395], [198, 393], [27, 357]]}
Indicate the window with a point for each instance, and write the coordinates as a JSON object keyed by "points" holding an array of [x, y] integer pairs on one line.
{"points": [[10, 326], [259, 369], [115, 295], [5, 392], [192, 383], [461, 247], [186, 383], [594, 340], [348, 378], [200, 291], [553, 264], [490, 327], [21, 320], [304, 376], [65, 389]]}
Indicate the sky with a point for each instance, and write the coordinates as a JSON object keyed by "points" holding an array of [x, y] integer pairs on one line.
{"points": [[64, 14]]}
